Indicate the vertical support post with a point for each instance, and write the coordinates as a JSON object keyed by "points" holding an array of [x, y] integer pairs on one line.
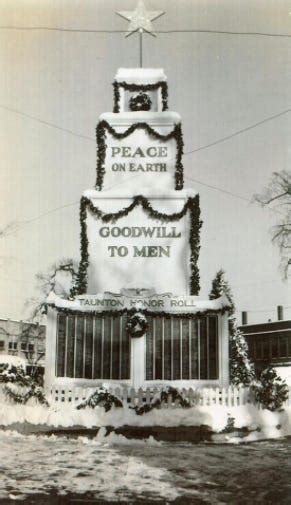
{"points": [[50, 351], [66, 346], [75, 345], [93, 347], [163, 348], [181, 348], [120, 346], [138, 362], [198, 350], [140, 47], [84, 345], [223, 349], [190, 350]]}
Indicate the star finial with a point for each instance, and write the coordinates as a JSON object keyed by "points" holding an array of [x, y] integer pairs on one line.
{"points": [[140, 19]]}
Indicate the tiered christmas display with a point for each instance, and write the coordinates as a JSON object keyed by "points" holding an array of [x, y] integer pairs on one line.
{"points": [[134, 317]]}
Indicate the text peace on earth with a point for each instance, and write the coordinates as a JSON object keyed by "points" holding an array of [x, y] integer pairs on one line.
{"points": [[139, 155]]}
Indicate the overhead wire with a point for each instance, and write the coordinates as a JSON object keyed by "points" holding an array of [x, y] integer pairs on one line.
{"points": [[174, 31], [216, 142]]}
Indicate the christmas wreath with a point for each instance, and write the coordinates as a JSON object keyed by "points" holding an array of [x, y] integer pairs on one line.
{"points": [[136, 325], [141, 101]]}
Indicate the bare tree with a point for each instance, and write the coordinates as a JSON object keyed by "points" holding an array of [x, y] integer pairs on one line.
{"points": [[59, 278], [32, 341], [277, 195]]}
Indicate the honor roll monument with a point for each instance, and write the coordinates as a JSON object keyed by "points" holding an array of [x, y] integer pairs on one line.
{"points": [[134, 316]]}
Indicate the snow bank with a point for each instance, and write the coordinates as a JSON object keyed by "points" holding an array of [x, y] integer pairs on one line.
{"points": [[114, 439], [262, 424]]}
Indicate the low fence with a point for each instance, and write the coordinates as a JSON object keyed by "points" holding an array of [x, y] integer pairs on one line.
{"points": [[229, 397]]}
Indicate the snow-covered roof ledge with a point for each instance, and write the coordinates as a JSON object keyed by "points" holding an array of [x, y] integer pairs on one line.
{"points": [[109, 301], [167, 202], [140, 75], [155, 119], [154, 193]]}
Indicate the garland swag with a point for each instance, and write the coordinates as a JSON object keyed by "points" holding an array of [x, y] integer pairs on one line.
{"points": [[130, 312], [140, 87], [101, 397], [104, 126], [192, 205], [167, 394]]}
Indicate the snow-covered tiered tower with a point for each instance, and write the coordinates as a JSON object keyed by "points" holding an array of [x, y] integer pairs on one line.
{"points": [[135, 317]]}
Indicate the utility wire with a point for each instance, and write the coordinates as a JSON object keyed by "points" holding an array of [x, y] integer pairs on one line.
{"points": [[216, 142], [46, 123], [219, 189], [36, 218], [238, 132], [190, 30], [225, 191], [206, 146]]}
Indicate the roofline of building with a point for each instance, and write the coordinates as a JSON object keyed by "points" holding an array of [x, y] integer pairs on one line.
{"points": [[266, 322], [21, 321]]}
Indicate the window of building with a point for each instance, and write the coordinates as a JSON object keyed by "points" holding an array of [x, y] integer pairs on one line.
{"points": [[2, 345], [12, 346], [182, 348], [23, 346], [31, 347], [92, 347]]}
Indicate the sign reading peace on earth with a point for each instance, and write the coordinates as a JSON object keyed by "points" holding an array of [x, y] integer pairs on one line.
{"points": [[126, 158]]}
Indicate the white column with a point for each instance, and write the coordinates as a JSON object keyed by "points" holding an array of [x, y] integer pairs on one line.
{"points": [[50, 349], [223, 350], [137, 369]]}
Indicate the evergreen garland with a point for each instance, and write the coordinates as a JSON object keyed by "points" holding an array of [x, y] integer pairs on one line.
{"points": [[241, 369], [140, 87], [120, 312], [116, 97], [195, 225], [192, 205], [104, 126], [221, 287], [101, 398], [163, 397]]}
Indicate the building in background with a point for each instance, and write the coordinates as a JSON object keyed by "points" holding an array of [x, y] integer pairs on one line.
{"points": [[26, 340], [270, 344]]}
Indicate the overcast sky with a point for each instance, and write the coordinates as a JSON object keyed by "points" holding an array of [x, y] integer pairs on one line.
{"points": [[218, 83]]}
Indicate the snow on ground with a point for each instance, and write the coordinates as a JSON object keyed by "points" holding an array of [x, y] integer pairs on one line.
{"points": [[263, 424]]}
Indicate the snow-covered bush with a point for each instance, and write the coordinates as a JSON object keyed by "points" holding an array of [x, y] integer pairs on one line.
{"points": [[19, 387], [101, 398], [270, 391]]}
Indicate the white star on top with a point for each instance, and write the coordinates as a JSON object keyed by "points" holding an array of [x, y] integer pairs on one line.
{"points": [[140, 19]]}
